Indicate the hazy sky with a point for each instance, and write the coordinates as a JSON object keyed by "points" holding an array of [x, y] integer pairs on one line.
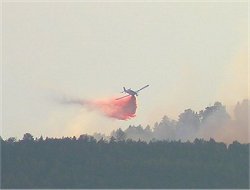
{"points": [[191, 55]]}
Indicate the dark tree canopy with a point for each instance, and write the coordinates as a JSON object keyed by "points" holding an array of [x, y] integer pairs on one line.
{"points": [[87, 163], [28, 137]]}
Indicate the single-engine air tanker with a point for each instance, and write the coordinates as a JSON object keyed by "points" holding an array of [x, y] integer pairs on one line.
{"points": [[131, 92]]}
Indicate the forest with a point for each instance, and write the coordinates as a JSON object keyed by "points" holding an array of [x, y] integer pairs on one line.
{"points": [[214, 121], [85, 162]]}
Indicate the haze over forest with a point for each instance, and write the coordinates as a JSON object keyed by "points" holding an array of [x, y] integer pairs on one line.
{"points": [[211, 122]]}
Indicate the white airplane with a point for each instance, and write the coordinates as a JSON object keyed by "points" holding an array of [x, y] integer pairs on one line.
{"points": [[131, 92]]}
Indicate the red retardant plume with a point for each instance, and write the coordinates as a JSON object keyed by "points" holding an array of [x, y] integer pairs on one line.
{"points": [[121, 109]]}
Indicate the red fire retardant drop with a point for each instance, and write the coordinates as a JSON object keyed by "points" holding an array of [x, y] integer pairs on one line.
{"points": [[122, 109]]}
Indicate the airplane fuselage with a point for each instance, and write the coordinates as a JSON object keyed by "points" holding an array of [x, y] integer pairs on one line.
{"points": [[131, 92]]}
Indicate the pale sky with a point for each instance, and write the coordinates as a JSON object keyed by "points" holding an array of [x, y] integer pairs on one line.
{"points": [[191, 55]]}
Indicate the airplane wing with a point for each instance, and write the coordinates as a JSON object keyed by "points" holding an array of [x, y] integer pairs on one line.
{"points": [[142, 88], [122, 97]]}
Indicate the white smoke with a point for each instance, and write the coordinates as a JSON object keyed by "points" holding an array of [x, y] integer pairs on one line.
{"points": [[212, 122]]}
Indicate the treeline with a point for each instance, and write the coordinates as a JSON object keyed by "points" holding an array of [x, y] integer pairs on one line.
{"points": [[212, 122], [85, 162]]}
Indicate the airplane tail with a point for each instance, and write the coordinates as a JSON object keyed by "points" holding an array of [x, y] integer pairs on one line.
{"points": [[124, 90]]}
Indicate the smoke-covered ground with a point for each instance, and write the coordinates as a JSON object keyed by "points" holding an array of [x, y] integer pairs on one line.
{"points": [[212, 122], [121, 109]]}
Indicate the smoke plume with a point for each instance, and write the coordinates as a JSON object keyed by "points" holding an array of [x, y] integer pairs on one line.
{"points": [[121, 109], [212, 122]]}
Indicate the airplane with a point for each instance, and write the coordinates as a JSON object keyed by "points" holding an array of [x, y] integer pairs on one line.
{"points": [[130, 92]]}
